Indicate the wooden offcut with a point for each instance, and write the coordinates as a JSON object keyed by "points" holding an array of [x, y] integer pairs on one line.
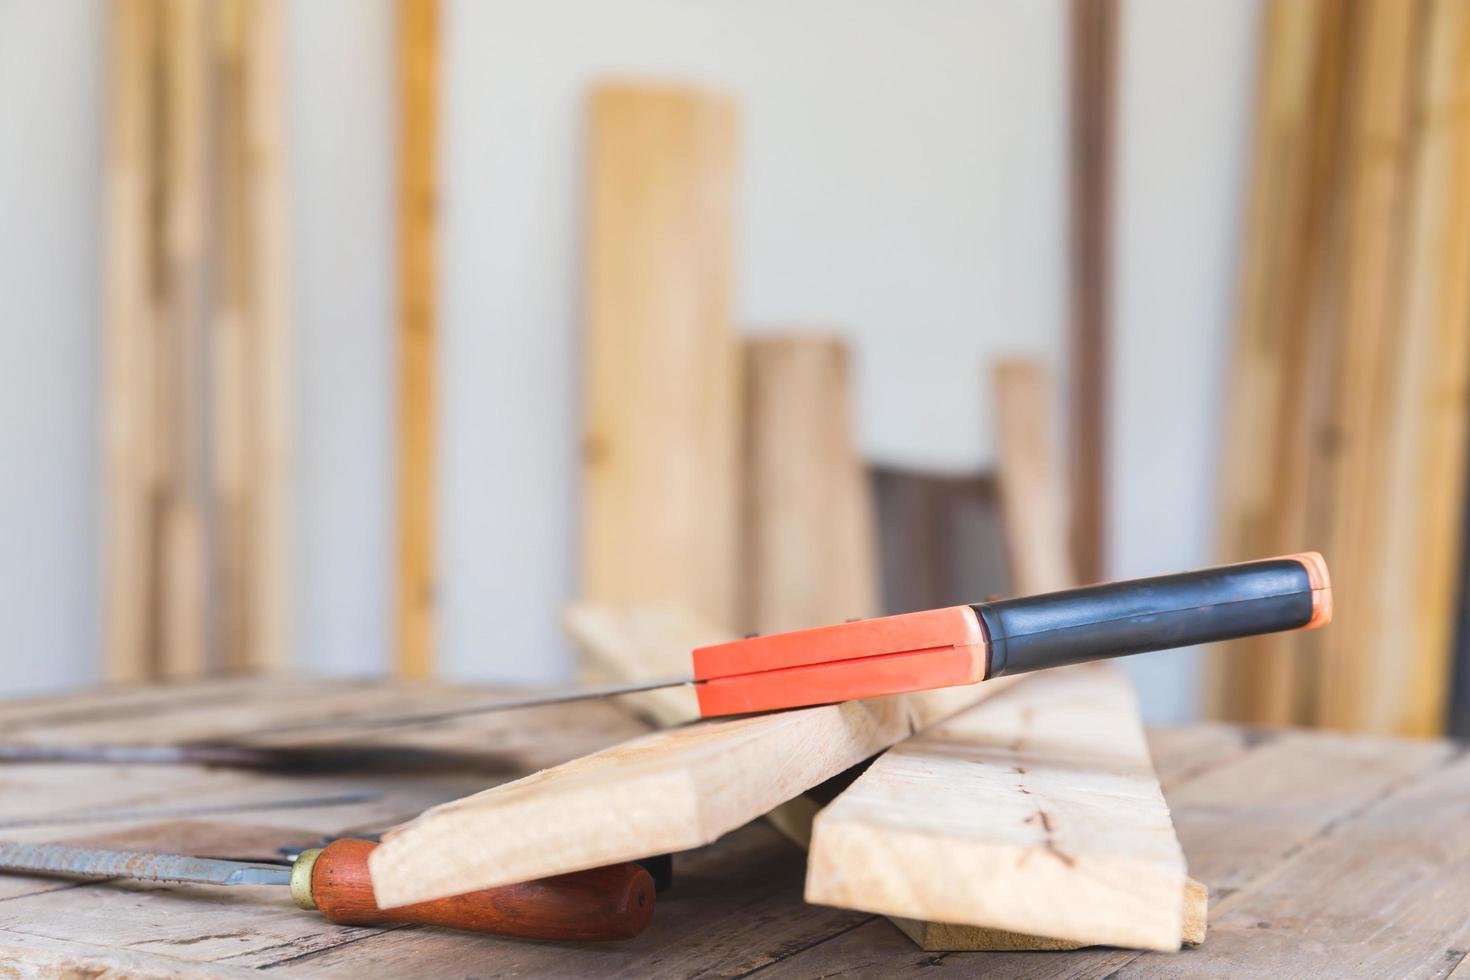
{"points": [[810, 549], [661, 446], [418, 86]]}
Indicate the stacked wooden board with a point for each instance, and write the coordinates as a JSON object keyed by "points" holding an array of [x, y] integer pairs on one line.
{"points": [[1351, 382]]}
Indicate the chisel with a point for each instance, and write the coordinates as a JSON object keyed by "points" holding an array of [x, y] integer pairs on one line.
{"points": [[972, 643], [613, 902]]}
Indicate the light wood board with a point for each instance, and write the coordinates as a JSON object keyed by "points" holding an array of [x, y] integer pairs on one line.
{"points": [[669, 791], [417, 208], [810, 550], [661, 447], [1422, 536]]}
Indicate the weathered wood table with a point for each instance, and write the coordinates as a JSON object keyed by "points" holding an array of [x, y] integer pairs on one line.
{"points": [[1326, 856]]}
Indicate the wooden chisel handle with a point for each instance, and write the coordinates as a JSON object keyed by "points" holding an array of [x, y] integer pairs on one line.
{"points": [[614, 902]]}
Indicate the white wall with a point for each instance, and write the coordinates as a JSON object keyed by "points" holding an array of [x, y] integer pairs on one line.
{"points": [[902, 180], [340, 88], [1185, 102], [51, 62]]}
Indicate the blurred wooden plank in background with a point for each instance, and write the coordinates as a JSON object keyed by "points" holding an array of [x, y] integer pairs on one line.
{"points": [[1094, 52], [418, 77], [660, 457], [810, 549], [1272, 412], [1426, 470], [198, 341], [129, 343], [1348, 426]]}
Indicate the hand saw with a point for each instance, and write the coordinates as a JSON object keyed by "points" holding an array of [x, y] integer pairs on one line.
{"points": [[971, 643]]}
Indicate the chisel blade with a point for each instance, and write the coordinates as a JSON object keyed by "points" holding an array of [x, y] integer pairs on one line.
{"points": [[96, 863]]}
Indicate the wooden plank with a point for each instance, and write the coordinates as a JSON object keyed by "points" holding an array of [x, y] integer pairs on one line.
{"points": [[267, 644], [661, 433], [185, 626], [1374, 198], [1094, 30], [810, 552], [129, 464], [1032, 489], [417, 204], [1425, 470], [1280, 410], [668, 791], [639, 644], [1070, 841]]}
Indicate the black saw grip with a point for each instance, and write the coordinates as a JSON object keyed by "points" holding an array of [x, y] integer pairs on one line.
{"points": [[1137, 616]]}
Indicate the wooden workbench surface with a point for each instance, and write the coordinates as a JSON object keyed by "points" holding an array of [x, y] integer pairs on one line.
{"points": [[1325, 855]]}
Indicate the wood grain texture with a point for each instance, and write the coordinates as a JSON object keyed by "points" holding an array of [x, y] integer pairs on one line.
{"points": [[130, 462], [668, 791], [417, 333], [1022, 825], [1275, 408], [1423, 531], [267, 645], [810, 550], [1366, 276], [596, 905], [197, 423], [1033, 490], [661, 478]]}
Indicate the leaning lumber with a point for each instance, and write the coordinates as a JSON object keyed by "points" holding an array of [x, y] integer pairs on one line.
{"points": [[1040, 813], [661, 443]]}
